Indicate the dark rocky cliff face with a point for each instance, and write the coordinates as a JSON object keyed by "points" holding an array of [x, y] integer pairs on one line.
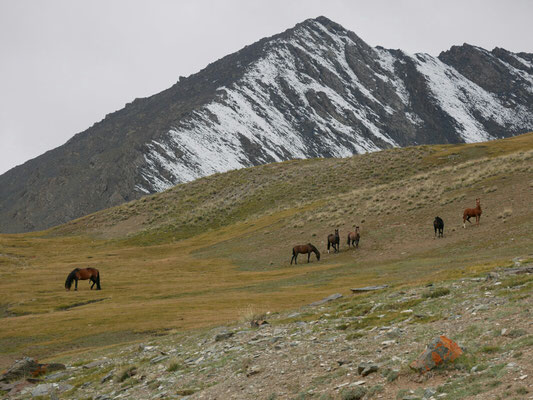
{"points": [[316, 90]]}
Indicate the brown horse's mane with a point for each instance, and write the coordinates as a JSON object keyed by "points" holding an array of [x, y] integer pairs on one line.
{"points": [[70, 278]]}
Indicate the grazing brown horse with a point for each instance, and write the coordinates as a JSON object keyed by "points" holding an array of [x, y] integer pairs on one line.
{"points": [[353, 238], [83, 274], [334, 240], [304, 249], [472, 212]]}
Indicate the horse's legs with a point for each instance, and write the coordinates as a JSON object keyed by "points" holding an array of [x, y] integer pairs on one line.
{"points": [[308, 257], [76, 287], [328, 246], [292, 258], [93, 281]]}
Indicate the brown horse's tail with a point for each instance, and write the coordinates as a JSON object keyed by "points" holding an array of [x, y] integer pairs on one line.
{"points": [[98, 287], [70, 278], [348, 239]]}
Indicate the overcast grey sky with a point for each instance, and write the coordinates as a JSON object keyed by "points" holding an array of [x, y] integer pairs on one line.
{"points": [[65, 63]]}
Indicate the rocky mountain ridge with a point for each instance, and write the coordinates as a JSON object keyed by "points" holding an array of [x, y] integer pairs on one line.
{"points": [[316, 90]]}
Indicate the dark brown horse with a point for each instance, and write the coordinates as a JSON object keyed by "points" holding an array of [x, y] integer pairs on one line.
{"points": [[334, 240], [304, 249], [83, 274], [353, 238], [438, 225], [472, 212]]}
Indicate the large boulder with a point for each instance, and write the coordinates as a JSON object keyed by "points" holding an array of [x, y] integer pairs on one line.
{"points": [[440, 351], [28, 367]]}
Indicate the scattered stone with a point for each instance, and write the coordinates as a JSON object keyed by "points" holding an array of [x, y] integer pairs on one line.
{"points": [[158, 359], [366, 368], [394, 333], [65, 387], [253, 371], [368, 288], [94, 364], [223, 336], [256, 323], [358, 383], [332, 297], [388, 343], [523, 377], [441, 350], [143, 347], [57, 375], [42, 389], [107, 377], [429, 393]]}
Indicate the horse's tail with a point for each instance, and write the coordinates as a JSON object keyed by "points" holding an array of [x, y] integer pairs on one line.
{"points": [[98, 287], [70, 278], [348, 239]]}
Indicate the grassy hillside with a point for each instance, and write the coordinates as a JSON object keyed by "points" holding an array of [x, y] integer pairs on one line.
{"points": [[210, 251]]}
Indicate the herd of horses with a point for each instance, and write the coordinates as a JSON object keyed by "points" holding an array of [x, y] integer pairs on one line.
{"points": [[353, 237], [93, 275]]}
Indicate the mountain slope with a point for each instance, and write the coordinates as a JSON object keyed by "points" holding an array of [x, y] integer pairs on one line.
{"points": [[204, 252], [316, 90]]}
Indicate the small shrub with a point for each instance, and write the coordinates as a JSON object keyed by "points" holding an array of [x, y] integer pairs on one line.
{"points": [[516, 333], [353, 394], [354, 336], [375, 390], [522, 390], [490, 349], [438, 292], [173, 367], [127, 373]]}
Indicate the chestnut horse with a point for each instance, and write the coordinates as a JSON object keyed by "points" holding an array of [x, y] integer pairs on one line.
{"points": [[353, 237], [472, 212], [83, 274], [438, 225], [334, 240], [304, 249]]}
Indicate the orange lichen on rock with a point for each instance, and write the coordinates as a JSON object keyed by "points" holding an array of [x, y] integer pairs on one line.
{"points": [[441, 350]]}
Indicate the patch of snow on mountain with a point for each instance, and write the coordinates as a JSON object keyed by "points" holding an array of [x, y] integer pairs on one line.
{"points": [[460, 98]]}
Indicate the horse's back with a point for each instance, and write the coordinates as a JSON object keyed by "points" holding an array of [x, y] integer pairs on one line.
{"points": [[86, 273]]}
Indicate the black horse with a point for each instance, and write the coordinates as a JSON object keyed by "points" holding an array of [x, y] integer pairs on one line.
{"points": [[334, 240], [438, 224]]}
